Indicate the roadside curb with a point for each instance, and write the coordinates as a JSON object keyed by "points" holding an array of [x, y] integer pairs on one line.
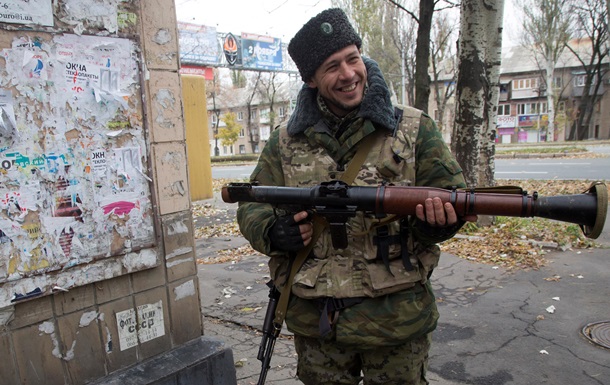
{"points": [[540, 155]]}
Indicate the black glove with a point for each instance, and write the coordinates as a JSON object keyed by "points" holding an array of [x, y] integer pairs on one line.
{"points": [[285, 234]]}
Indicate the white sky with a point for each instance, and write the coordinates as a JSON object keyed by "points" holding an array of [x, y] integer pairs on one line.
{"points": [[276, 18], [281, 18]]}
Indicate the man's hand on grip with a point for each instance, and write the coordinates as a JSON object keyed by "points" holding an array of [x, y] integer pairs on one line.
{"points": [[291, 232]]}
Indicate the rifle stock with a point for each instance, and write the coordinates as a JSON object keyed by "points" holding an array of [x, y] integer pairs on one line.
{"points": [[588, 209]]}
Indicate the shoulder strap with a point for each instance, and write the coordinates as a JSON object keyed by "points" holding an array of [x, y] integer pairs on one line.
{"points": [[319, 224], [358, 160]]}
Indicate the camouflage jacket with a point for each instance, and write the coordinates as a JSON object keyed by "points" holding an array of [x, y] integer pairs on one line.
{"points": [[315, 146]]}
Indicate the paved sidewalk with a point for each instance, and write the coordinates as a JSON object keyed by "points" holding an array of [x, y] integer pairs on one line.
{"points": [[494, 329]]}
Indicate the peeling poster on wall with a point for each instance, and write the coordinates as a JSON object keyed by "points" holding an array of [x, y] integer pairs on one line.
{"points": [[27, 12], [140, 325], [73, 183]]}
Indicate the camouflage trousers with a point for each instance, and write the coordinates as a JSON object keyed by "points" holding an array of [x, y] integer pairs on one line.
{"points": [[323, 362]]}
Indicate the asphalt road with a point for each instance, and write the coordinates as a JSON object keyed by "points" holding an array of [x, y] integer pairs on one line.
{"points": [[535, 168], [553, 168]]}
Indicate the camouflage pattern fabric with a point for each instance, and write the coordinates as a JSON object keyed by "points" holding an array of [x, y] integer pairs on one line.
{"points": [[356, 271], [414, 154], [388, 320], [329, 364]]}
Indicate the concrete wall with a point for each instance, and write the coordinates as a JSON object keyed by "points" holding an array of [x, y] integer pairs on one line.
{"points": [[88, 332]]}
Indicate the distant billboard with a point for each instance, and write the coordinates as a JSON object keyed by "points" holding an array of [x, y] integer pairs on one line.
{"points": [[201, 45], [198, 44], [261, 52]]}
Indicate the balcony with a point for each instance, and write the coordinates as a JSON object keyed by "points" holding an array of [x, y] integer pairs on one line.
{"points": [[577, 92]]}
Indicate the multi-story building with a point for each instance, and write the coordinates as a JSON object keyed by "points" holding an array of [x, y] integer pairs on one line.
{"points": [[522, 108], [257, 119]]}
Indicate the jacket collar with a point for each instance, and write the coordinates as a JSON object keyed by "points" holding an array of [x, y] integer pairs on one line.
{"points": [[376, 104]]}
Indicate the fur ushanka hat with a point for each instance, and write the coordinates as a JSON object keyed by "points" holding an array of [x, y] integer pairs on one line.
{"points": [[320, 37]]}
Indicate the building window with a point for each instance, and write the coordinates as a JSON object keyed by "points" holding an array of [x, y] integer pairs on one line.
{"points": [[214, 118], [281, 112], [525, 84], [579, 81], [531, 108], [561, 107], [242, 149], [265, 115], [540, 108], [240, 116], [253, 114], [557, 82], [504, 109], [242, 132], [523, 109]]}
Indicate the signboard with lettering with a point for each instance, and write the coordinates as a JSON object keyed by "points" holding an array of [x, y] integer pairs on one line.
{"points": [[261, 52], [198, 44], [506, 121]]}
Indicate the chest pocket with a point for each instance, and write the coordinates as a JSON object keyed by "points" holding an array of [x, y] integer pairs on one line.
{"points": [[397, 156]]}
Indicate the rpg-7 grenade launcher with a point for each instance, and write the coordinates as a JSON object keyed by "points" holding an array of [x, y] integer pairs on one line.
{"points": [[337, 201]]}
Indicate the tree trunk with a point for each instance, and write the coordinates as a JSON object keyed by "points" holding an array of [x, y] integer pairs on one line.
{"points": [[478, 89], [250, 125], [550, 101], [422, 55]]}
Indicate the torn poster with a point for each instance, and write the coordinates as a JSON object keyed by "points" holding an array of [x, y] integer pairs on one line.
{"points": [[8, 126], [27, 12], [71, 193], [140, 325]]}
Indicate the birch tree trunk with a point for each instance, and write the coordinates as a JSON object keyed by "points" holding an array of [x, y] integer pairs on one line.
{"points": [[550, 102], [478, 89], [545, 32]]}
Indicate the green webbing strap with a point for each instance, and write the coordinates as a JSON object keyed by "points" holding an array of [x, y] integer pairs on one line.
{"points": [[319, 224], [353, 168]]}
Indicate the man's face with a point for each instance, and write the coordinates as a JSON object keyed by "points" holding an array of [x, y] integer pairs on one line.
{"points": [[340, 80]]}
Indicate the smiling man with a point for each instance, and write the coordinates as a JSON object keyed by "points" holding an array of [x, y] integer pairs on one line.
{"points": [[365, 312], [340, 80]]}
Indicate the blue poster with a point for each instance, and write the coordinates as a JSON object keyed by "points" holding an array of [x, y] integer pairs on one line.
{"points": [[198, 44], [261, 52]]}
